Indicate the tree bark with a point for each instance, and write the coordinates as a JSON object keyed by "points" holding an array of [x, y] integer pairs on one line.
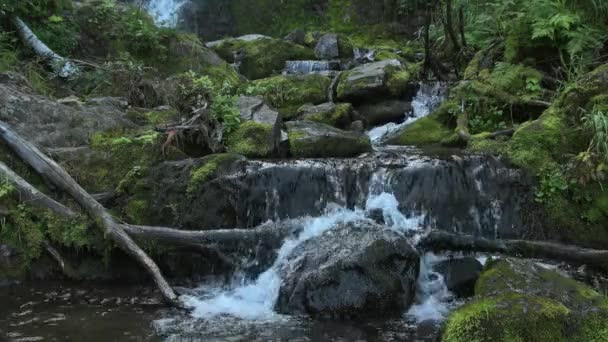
{"points": [[64, 182], [61, 66], [450, 26], [441, 241]]}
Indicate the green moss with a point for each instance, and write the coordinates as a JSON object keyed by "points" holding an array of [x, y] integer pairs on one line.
{"points": [[399, 79], [425, 131], [263, 57], [519, 301], [208, 169], [508, 318], [287, 93], [480, 144], [251, 139]]}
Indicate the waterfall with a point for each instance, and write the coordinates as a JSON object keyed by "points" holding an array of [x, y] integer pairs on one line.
{"points": [[428, 98], [309, 67], [165, 12], [256, 300]]}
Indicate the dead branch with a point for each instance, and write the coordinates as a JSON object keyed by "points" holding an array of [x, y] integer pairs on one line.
{"points": [[63, 181]]}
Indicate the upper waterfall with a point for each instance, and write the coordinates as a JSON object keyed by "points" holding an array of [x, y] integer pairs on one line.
{"points": [[165, 12]]}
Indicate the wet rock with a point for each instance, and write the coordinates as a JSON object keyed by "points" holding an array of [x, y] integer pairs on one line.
{"points": [[357, 126], [522, 300], [357, 269], [316, 140], [460, 275], [384, 112], [61, 125], [338, 115]]}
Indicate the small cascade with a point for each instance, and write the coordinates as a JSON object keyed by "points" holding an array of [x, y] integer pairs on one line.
{"points": [[428, 98], [434, 300], [310, 67], [364, 55], [256, 300], [165, 12]]}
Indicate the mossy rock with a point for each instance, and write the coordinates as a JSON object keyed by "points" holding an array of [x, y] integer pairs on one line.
{"points": [[309, 139], [386, 78], [208, 168], [428, 130], [337, 115], [518, 300], [263, 57], [252, 139], [287, 93]]}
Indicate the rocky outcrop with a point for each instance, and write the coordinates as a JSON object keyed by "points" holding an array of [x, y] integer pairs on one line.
{"points": [[524, 301], [51, 124], [357, 270], [309, 139]]}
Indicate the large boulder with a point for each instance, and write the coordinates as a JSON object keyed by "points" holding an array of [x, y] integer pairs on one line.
{"points": [[51, 124], [518, 300], [308, 139], [357, 269], [386, 78], [260, 57], [382, 112], [259, 134], [339, 115]]}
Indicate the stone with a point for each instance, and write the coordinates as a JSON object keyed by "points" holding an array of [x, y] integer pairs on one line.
{"points": [[267, 143], [297, 36], [337, 115], [308, 139], [327, 47], [51, 124], [460, 275], [383, 112], [367, 81], [355, 270], [521, 300]]}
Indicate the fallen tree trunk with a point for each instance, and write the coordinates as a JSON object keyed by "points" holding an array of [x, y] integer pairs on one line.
{"points": [[63, 181], [31, 195], [61, 66], [442, 241]]}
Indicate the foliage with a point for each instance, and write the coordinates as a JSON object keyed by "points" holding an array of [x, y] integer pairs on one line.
{"points": [[595, 122], [198, 91], [8, 55], [59, 33]]}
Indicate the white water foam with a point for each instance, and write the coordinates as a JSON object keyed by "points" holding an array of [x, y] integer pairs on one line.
{"points": [[256, 300], [434, 300], [165, 12], [428, 98]]}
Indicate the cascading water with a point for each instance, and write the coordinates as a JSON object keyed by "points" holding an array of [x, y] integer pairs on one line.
{"points": [[428, 98], [309, 67], [165, 12], [256, 300]]}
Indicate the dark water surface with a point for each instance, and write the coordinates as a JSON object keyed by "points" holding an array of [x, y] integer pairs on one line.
{"points": [[90, 313]]}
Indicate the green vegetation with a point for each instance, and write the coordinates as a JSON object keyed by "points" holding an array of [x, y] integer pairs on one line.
{"points": [[251, 139]]}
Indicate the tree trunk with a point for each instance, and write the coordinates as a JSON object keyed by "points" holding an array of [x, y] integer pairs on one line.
{"points": [[441, 241], [63, 181], [60, 65], [450, 26]]}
